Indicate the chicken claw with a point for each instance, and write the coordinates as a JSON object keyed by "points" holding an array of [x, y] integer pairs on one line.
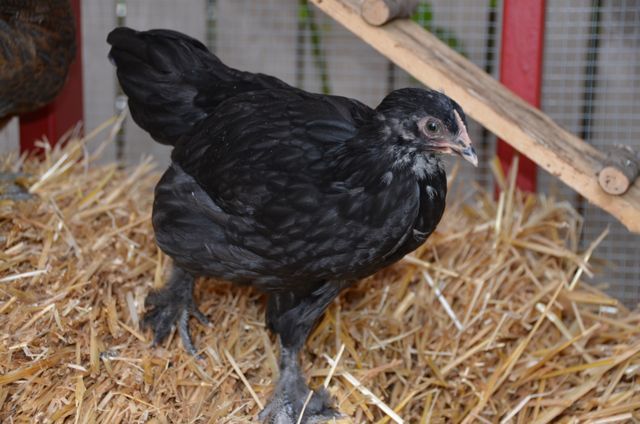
{"points": [[173, 305], [289, 397]]}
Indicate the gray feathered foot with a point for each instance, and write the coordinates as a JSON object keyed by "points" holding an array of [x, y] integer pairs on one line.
{"points": [[173, 305], [290, 394], [292, 315]]}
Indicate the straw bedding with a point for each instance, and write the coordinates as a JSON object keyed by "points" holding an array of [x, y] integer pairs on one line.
{"points": [[488, 322]]}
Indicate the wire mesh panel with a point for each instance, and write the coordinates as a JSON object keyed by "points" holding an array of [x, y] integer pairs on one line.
{"points": [[99, 81], [592, 88]]}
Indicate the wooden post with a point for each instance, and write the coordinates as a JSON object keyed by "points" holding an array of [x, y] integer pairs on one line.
{"points": [[521, 72], [66, 110]]}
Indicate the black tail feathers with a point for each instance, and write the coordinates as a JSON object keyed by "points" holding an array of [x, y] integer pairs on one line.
{"points": [[173, 82], [153, 72]]}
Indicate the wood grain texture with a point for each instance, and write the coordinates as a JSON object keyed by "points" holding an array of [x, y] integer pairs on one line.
{"points": [[524, 127]]}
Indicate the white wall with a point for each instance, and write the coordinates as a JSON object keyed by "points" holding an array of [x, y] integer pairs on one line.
{"points": [[9, 137]]}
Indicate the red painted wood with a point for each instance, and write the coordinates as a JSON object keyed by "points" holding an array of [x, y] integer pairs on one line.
{"points": [[521, 71], [65, 111]]}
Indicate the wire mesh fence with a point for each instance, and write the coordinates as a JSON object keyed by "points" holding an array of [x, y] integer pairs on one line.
{"points": [[592, 88]]}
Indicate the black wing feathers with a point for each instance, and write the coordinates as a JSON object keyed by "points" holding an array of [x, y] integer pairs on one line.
{"points": [[265, 159], [275, 137]]}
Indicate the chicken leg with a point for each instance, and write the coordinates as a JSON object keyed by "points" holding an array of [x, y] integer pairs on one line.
{"points": [[292, 316], [171, 305]]}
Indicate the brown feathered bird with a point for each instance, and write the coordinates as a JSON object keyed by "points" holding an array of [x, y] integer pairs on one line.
{"points": [[37, 46]]}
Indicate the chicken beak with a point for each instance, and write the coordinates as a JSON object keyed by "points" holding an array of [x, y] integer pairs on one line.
{"points": [[463, 147], [462, 144]]}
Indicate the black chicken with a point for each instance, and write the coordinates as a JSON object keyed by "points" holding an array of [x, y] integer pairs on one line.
{"points": [[297, 194]]}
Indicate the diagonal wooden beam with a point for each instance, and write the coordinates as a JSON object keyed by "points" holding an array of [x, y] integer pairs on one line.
{"points": [[526, 128]]}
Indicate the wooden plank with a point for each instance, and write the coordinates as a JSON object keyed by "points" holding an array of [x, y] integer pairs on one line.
{"points": [[521, 72], [526, 128]]}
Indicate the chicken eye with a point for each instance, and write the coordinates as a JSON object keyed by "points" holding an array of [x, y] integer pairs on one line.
{"points": [[432, 126]]}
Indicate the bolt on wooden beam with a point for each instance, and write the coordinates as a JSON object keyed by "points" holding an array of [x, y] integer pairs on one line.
{"points": [[620, 170], [379, 12]]}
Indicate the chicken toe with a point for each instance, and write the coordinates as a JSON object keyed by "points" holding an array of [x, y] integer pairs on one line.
{"points": [[289, 401], [171, 306]]}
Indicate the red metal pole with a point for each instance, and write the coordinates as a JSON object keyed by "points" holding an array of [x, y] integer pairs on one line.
{"points": [[521, 71], [65, 111]]}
